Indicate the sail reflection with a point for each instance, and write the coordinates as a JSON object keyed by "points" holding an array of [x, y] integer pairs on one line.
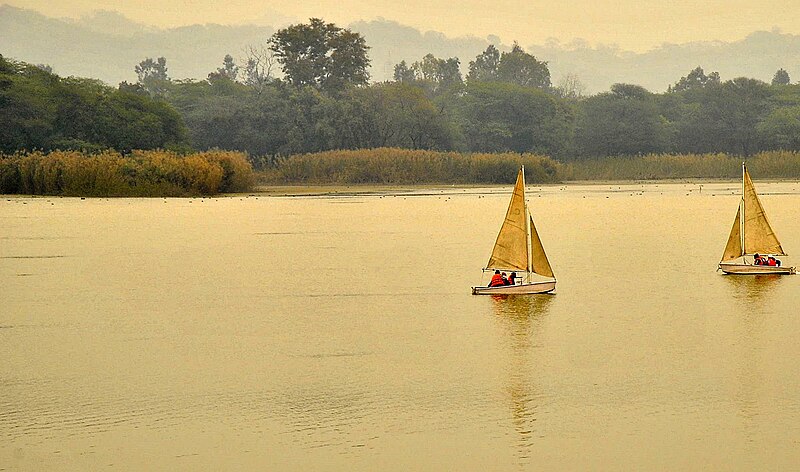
{"points": [[521, 317]]}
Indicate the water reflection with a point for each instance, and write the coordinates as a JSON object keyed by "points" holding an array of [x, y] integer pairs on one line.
{"points": [[753, 288], [522, 318], [753, 295]]}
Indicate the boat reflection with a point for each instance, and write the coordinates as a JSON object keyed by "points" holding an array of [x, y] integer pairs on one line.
{"points": [[754, 288], [522, 318]]}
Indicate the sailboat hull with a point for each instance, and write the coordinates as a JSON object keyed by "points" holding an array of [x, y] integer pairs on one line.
{"points": [[749, 269], [520, 289]]}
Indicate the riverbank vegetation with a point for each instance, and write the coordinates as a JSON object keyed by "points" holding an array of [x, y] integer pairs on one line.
{"points": [[320, 120], [408, 167], [394, 166], [138, 174], [764, 165]]}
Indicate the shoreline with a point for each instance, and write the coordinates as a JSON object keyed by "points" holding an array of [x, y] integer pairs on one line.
{"points": [[312, 190], [280, 190]]}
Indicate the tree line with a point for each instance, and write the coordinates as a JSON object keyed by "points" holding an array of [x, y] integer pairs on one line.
{"points": [[307, 90]]}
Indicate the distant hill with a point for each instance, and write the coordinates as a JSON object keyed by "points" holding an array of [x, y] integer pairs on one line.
{"points": [[757, 56], [107, 46]]}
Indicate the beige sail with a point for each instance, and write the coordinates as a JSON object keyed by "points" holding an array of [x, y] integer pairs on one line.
{"points": [[539, 262], [758, 234], [733, 249], [511, 248]]}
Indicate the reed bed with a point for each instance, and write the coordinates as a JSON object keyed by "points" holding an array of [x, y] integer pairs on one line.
{"points": [[395, 166], [138, 174], [765, 165]]}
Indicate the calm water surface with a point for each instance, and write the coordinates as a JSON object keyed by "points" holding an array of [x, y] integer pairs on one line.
{"points": [[339, 333]]}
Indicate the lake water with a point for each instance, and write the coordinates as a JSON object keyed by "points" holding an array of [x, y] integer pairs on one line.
{"points": [[339, 333]]}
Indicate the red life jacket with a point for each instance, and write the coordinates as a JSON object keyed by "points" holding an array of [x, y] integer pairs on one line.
{"points": [[497, 280], [772, 262]]}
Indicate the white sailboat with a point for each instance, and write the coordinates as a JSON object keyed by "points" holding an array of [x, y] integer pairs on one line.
{"points": [[751, 234], [518, 249]]}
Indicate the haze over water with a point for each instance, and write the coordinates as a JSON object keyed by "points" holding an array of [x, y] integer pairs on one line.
{"points": [[339, 333]]}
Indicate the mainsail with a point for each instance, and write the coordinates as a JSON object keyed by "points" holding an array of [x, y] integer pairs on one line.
{"points": [[512, 250], [751, 232], [758, 235]]}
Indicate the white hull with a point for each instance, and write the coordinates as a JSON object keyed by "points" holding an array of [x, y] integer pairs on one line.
{"points": [[735, 268], [519, 289]]}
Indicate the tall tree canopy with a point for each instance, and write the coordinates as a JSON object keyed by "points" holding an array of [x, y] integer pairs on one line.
{"points": [[781, 77], [696, 79], [513, 67], [153, 76], [321, 55]]}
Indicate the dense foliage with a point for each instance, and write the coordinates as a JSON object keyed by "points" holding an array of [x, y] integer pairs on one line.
{"points": [[39, 110]]}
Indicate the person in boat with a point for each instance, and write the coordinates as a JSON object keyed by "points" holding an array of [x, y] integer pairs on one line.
{"points": [[772, 262], [497, 280], [505, 279], [512, 279], [758, 260]]}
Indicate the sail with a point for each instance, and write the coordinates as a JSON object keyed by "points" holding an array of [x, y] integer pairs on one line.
{"points": [[758, 234], [511, 248], [539, 262], [733, 249]]}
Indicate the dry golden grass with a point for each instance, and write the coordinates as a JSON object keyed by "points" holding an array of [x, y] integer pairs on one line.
{"points": [[395, 166], [142, 173], [765, 165]]}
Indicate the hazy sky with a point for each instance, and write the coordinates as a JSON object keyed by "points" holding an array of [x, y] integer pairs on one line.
{"points": [[635, 25]]}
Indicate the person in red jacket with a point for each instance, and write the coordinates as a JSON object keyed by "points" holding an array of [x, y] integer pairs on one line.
{"points": [[771, 261], [497, 280], [512, 279]]}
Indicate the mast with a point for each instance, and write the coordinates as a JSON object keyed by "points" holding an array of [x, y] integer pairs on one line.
{"points": [[527, 224], [742, 216]]}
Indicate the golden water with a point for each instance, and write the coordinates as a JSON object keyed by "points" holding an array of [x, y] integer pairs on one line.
{"points": [[339, 333]]}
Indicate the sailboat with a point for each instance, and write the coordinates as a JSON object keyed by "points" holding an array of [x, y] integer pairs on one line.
{"points": [[518, 249], [751, 234]]}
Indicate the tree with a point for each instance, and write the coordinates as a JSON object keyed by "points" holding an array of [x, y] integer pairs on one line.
{"points": [[258, 70], [229, 69], [521, 68], [27, 106], [484, 67], [630, 91], [725, 118], [438, 75], [403, 73], [513, 67], [153, 76], [321, 55], [696, 79], [570, 87], [498, 117], [624, 121], [781, 129], [781, 77]]}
